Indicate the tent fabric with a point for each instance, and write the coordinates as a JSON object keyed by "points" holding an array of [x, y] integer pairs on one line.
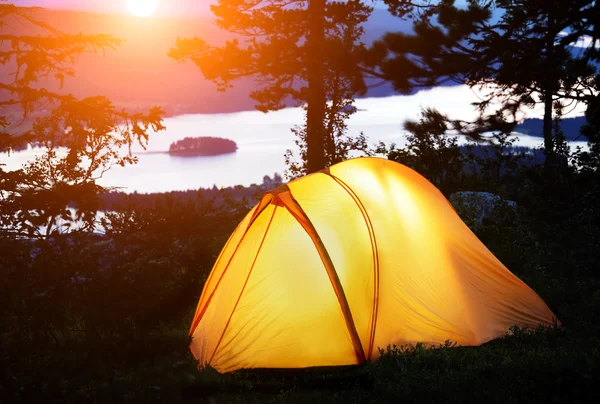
{"points": [[328, 268]]}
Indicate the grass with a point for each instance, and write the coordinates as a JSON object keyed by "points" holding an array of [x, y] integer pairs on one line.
{"points": [[118, 338], [557, 365]]}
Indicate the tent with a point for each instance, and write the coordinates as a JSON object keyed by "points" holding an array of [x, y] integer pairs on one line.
{"points": [[330, 267]]}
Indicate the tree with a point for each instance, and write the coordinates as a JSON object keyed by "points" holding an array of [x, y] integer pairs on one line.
{"points": [[338, 145], [429, 151], [525, 57], [295, 49], [542, 61], [315, 94], [81, 139], [589, 161]]}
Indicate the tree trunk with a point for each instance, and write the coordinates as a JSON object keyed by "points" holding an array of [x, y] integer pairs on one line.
{"points": [[315, 114], [547, 128], [549, 92]]}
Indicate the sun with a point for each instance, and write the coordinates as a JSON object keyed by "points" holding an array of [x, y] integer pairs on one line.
{"points": [[142, 8]]}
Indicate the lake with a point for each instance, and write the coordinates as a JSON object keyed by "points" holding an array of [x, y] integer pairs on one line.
{"points": [[263, 139]]}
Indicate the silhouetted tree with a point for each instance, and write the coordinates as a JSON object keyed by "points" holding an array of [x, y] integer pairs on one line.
{"points": [[295, 49], [338, 145], [525, 57], [590, 160], [429, 151], [81, 138]]}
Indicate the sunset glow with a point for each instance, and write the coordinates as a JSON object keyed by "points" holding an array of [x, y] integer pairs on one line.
{"points": [[142, 8]]}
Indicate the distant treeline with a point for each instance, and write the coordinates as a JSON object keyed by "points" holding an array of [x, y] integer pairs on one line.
{"points": [[253, 192], [237, 193], [569, 126], [536, 155], [25, 146], [202, 146]]}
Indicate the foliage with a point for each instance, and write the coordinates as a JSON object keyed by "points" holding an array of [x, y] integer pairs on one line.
{"points": [[104, 317], [429, 151], [339, 146], [590, 160], [275, 28], [490, 163], [523, 58], [112, 312], [305, 52], [81, 139], [246, 196]]}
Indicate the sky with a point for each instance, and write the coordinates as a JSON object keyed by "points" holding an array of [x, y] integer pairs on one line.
{"points": [[176, 8], [166, 7]]}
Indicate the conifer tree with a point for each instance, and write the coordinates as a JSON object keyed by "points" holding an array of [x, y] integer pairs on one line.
{"points": [[80, 138], [294, 49], [526, 56]]}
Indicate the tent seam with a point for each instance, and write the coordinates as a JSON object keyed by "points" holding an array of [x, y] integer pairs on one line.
{"points": [[244, 286], [375, 252], [198, 309], [333, 277], [252, 220]]}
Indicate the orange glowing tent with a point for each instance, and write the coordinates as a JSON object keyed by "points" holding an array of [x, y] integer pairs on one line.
{"points": [[328, 268]]}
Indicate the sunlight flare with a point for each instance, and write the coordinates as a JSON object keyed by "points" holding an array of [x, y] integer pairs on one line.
{"points": [[142, 8]]}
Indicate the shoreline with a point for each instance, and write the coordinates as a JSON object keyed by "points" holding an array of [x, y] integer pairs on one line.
{"points": [[184, 154]]}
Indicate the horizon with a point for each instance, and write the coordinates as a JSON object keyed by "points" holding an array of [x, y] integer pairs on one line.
{"points": [[171, 8], [165, 8]]}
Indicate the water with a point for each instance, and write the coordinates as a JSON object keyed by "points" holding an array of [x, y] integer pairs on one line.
{"points": [[263, 138]]}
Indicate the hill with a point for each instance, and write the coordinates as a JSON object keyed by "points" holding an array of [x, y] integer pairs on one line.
{"points": [[569, 126], [139, 74]]}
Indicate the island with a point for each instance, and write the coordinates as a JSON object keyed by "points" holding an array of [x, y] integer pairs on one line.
{"points": [[202, 146]]}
